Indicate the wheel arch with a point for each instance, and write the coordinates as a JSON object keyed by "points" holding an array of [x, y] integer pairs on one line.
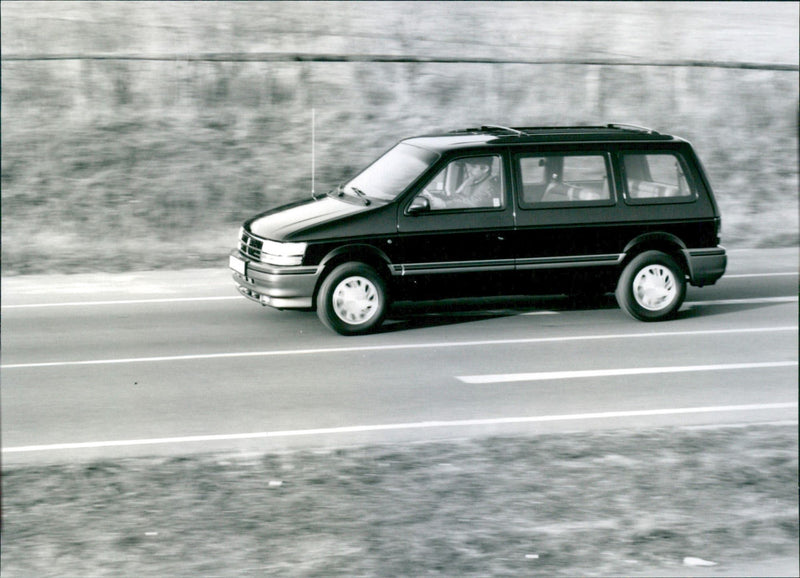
{"points": [[360, 253], [657, 241]]}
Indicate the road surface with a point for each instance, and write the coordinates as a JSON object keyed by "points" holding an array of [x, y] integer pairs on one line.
{"points": [[176, 362]]}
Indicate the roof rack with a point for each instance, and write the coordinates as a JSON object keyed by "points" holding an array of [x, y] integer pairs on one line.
{"points": [[622, 125], [609, 131]]}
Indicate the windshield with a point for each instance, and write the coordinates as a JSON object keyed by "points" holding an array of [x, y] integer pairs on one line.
{"points": [[392, 173]]}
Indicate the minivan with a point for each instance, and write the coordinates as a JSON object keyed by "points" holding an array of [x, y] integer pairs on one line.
{"points": [[493, 210]]}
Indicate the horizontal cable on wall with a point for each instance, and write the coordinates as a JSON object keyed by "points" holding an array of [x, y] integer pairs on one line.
{"points": [[391, 58]]}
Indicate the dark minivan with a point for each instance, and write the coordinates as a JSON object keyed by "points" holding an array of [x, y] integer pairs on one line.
{"points": [[493, 211]]}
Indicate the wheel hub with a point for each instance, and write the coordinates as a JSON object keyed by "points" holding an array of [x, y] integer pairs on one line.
{"points": [[654, 287], [355, 300]]}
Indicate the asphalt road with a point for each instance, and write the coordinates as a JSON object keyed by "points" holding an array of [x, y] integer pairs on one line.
{"points": [[176, 362]]}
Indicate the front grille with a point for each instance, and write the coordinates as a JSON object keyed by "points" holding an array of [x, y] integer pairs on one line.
{"points": [[250, 246]]}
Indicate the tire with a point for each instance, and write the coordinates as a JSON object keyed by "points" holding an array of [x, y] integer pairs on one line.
{"points": [[652, 287], [352, 299]]}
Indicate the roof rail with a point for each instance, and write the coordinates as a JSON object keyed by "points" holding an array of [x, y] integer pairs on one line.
{"points": [[623, 125], [503, 128]]}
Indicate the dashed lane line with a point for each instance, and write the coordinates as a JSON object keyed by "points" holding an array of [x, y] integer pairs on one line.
{"points": [[579, 374]]}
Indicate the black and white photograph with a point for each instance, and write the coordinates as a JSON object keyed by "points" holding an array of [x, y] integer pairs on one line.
{"points": [[399, 288]]}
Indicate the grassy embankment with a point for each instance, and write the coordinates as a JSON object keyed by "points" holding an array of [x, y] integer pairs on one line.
{"points": [[111, 166], [611, 503]]}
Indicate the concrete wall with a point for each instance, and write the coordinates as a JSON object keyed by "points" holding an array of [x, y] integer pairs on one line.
{"points": [[156, 120]]}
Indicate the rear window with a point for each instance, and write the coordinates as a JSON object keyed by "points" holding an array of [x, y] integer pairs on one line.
{"points": [[657, 178]]}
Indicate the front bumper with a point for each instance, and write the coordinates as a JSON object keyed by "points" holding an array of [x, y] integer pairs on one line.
{"points": [[280, 287], [706, 266]]}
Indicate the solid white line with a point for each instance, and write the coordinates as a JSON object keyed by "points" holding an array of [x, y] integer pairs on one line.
{"points": [[399, 426], [551, 375], [402, 346], [744, 275], [751, 301], [778, 423], [232, 297], [121, 302]]}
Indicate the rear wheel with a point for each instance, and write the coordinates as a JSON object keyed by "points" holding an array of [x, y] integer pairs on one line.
{"points": [[652, 287], [352, 299]]}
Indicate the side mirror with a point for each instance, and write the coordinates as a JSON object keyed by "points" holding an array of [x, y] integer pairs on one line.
{"points": [[420, 204]]}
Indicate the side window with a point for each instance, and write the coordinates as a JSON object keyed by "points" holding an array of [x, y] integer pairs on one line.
{"points": [[468, 183], [564, 179], [533, 171], [656, 178]]}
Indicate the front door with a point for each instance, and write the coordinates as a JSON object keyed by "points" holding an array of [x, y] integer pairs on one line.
{"points": [[455, 234]]}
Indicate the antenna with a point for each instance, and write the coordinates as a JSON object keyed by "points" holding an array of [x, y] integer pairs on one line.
{"points": [[313, 151]]}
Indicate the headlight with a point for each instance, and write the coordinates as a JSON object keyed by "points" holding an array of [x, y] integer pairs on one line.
{"points": [[275, 253]]}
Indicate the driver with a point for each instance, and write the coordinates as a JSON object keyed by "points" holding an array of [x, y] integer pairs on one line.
{"points": [[479, 189]]}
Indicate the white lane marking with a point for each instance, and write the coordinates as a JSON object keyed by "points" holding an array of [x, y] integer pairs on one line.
{"points": [[578, 374], [399, 426], [744, 275], [121, 302], [751, 301], [778, 423], [401, 346], [232, 297]]}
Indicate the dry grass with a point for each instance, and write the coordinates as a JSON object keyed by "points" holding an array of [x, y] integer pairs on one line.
{"points": [[605, 503]]}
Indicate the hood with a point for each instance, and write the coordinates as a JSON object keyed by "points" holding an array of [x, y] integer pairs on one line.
{"points": [[283, 223]]}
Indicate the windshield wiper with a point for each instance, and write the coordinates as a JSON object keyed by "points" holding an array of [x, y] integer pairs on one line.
{"points": [[339, 193], [360, 193]]}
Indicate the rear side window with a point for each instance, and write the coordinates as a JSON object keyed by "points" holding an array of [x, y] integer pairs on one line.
{"points": [[657, 178], [564, 180]]}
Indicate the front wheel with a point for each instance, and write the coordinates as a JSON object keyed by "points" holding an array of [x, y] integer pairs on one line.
{"points": [[352, 299], [652, 287]]}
